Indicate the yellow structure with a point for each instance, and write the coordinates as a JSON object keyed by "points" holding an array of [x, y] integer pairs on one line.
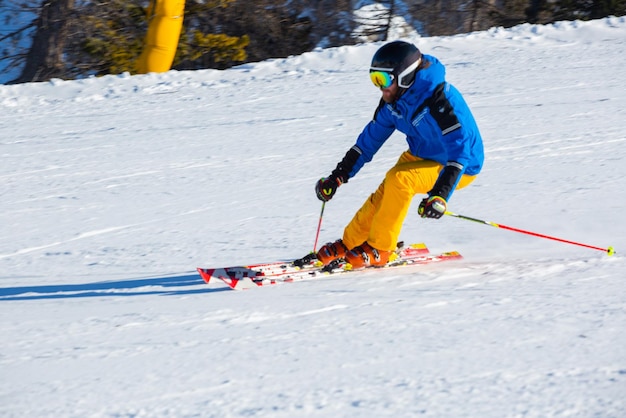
{"points": [[165, 19]]}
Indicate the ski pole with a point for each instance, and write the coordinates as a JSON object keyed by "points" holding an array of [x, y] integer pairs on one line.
{"points": [[319, 226], [609, 250]]}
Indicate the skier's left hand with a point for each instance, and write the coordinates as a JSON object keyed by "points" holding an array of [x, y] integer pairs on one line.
{"points": [[432, 207]]}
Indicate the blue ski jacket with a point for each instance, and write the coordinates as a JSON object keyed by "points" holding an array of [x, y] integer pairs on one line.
{"points": [[437, 122]]}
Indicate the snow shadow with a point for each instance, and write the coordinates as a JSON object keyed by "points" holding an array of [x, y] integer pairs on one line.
{"points": [[185, 284]]}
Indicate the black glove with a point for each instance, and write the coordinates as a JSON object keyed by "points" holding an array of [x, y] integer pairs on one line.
{"points": [[326, 187], [435, 205], [432, 207]]}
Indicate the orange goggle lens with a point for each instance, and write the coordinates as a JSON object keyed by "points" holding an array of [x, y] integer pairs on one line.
{"points": [[381, 79]]}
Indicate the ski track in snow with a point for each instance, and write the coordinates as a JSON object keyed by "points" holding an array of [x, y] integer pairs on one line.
{"points": [[114, 189]]}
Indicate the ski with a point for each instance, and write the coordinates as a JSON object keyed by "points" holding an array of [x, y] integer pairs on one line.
{"points": [[263, 274]]}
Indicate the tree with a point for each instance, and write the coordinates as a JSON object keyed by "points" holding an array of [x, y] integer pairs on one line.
{"points": [[108, 39], [586, 9], [373, 20], [95, 37], [18, 22], [274, 28], [113, 38], [45, 57], [204, 46]]}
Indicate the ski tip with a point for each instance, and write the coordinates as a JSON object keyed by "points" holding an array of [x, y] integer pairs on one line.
{"points": [[206, 274]]}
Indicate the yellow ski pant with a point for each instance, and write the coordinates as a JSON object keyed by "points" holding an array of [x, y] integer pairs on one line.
{"points": [[380, 219]]}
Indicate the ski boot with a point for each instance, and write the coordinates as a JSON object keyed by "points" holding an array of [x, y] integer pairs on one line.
{"points": [[367, 256], [332, 251]]}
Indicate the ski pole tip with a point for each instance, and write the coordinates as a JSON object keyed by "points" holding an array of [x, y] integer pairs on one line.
{"points": [[610, 251]]}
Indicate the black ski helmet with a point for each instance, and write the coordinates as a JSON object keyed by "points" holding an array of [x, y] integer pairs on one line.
{"points": [[400, 59]]}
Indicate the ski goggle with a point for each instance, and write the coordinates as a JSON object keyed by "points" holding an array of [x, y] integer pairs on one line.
{"points": [[381, 79]]}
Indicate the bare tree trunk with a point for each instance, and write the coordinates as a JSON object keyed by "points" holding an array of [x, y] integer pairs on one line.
{"points": [[45, 57], [474, 15], [392, 10]]}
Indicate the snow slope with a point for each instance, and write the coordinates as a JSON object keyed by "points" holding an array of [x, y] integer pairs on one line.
{"points": [[114, 189]]}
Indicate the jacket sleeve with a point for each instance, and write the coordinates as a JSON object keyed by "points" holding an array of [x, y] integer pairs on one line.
{"points": [[454, 137], [373, 136]]}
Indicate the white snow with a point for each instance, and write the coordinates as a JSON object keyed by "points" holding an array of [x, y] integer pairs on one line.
{"points": [[115, 189]]}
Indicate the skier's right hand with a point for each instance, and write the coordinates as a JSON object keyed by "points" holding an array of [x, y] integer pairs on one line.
{"points": [[326, 187]]}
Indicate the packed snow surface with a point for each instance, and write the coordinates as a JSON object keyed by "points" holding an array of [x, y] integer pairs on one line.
{"points": [[115, 189]]}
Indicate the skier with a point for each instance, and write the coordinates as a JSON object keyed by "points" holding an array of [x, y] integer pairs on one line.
{"points": [[445, 153]]}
